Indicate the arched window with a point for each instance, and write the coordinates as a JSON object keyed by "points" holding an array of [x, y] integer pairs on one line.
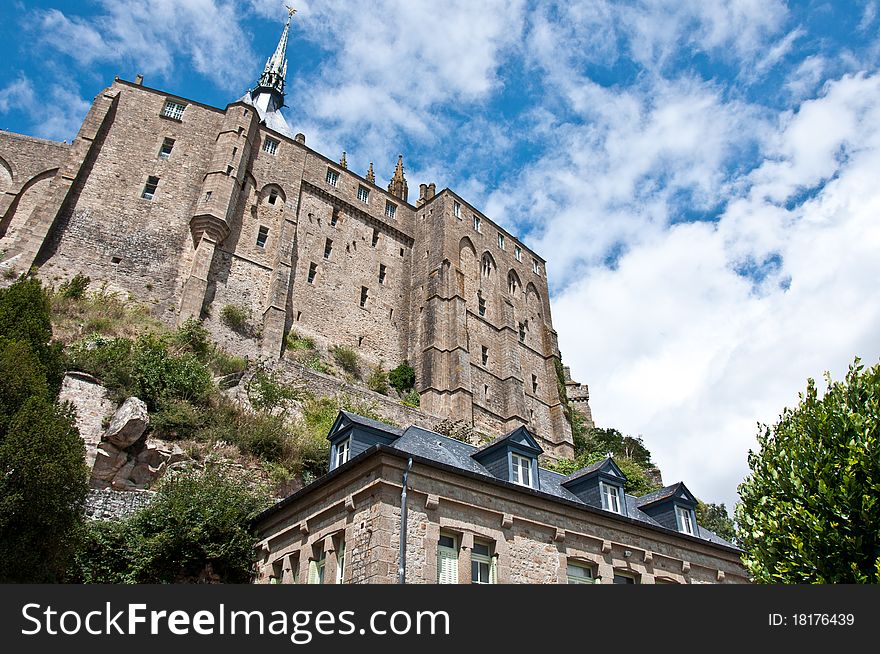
{"points": [[512, 283], [487, 265]]}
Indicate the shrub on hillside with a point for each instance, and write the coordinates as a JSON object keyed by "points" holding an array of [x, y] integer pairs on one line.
{"points": [[234, 317], [378, 380], [347, 359], [402, 378]]}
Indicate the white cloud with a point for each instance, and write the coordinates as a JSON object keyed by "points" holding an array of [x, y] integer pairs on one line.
{"points": [[151, 34], [56, 114], [17, 96], [679, 347]]}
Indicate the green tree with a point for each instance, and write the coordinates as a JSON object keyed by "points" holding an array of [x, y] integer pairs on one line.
{"points": [[810, 508], [43, 485], [402, 378], [715, 518]]}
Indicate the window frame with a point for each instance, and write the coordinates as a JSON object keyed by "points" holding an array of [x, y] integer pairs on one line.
{"points": [[173, 114], [340, 561], [603, 488], [517, 253], [270, 145], [452, 554], [518, 464], [456, 209], [390, 209], [580, 579], [150, 195], [501, 241], [478, 224], [487, 560], [312, 273], [262, 236], [167, 142], [332, 177], [363, 194], [684, 518], [342, 452]]}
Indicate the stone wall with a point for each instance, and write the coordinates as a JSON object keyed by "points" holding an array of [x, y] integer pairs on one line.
{"points": [[116, 505], [93, 408]]}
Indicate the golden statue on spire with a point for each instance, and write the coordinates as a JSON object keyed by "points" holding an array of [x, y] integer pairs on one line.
{"points": [[290, 11]]}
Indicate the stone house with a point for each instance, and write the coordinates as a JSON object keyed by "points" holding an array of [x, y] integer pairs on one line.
{"points": [[480, 515]]}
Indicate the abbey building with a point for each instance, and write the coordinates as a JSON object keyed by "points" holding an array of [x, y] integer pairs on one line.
{"points": [[192, 209]]}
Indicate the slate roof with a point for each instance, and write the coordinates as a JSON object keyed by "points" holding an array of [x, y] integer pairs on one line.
{"points": [[660, 494], [457, 454], [373, 424]]}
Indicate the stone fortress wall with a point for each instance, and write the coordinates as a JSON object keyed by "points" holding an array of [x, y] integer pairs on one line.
{"points": [[246, 216]]}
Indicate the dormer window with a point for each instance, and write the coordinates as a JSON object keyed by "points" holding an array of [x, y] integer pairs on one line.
{"points": [[343, 451], [521, 470], [610, 497], [685, 521]]}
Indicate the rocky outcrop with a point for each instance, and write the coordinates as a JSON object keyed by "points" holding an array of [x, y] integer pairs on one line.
{"points": [[129, 423], [93, 408]]}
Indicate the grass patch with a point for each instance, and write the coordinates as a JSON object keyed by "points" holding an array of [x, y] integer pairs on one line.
{"points": [[347, 359]]}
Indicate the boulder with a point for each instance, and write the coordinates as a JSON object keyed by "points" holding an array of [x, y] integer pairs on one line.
{"points": [[109, 460], [128, 424]]}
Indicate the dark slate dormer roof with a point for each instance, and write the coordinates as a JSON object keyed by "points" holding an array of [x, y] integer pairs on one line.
{"points": [[605, 467], [677, 491], [520, 437], [455, 454]]}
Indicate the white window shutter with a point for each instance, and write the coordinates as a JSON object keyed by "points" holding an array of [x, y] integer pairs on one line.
{"points": [[313, 572], [447, 566], [493, 570]]}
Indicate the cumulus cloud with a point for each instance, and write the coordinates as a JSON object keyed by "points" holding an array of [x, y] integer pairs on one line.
{"points": [[18, 95]]}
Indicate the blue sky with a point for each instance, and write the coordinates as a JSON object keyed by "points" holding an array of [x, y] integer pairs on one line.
{"points": [[702, 175]]}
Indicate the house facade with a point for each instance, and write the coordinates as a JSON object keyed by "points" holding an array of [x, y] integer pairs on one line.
{"points": [[480, 515]]}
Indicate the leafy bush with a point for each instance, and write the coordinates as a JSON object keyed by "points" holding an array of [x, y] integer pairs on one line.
{"points": [[412, 399], [266, 393], [402, 378], [296, 342], [312, 359], [75, 289], [22, 376], [235, 318], [346, 358], [179, 420], [192, 337], [43, 485], [810, 508], [378, 380], [197, 529], [222, 363]]}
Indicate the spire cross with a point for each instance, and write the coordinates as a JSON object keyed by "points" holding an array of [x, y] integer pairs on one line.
{"points": [[290, 11]]}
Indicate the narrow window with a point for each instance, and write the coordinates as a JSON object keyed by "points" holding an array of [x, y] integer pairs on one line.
{"points": [[334, 218], [685, 524], [332, 177], [486, 392], [317, 566], [313, 270], [456, 208], [364, 194], [610, 497], [340, 561], [512, 284], [234, 152], [391, 314], [262, 236], [578, 573], [447, 560], [482, 306], [328, 248], [382, 272], [150, 188], [343, 452], [208, 195], [390, 209], [270, 146], [167, 147], [364, 293], [173, 110], [501, 240], [534, 383], [517, 252], [487, 265], [521, 470], [401, 251], [522, 332], [229, 170], [484, 355], [273, 196], [375, 240], [536, 267], [482, 564], [478, 224]]}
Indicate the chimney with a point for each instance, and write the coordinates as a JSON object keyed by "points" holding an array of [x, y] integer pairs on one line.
{"points": [[139, 79], [300, 138], [432, 191], [423, 191]]}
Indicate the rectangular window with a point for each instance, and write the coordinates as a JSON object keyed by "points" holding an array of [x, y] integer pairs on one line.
{"points": [[270, 145], [522, 332], [484, 351], [364, 293], [521, 470], [685, 524], [390, 209], [317, 566], [610, 497], [173, 110], [623, 578], [340, 561], [273, 196], [578, 573], [482, 564], [313, 270], [328, 248], [478, 224], [456, 208], [343, 451], [363, 194], [534, 383], [167, 147], [382, 271], [334, 218], [375, 239], [536, 267], [262, 236], [501, 240], [150, 188], [517, 252], [208, 195], [482, 306], [332, 177], [447, 560]]}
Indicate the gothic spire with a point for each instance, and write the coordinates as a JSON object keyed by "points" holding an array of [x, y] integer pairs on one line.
{"points": [[398, 186], [343, 162], [272, 80], [371, 176]]}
